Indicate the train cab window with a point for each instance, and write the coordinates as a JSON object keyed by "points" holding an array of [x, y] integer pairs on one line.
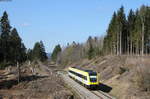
{"points": [[93, 77]]}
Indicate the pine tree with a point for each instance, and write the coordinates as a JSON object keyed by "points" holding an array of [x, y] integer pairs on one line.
{"points": [[39, 52], [12, 50], [1, 51], [15, 43], [5, 31], [90, 52], [137, 34], [5, 26], [147, 31], [23, 54], [30, 54], [121, 20], [43, 53], [55, 53], [131, 27], [116, 40], [112, 36], [17, 51], [143, 20], [36, 51]]}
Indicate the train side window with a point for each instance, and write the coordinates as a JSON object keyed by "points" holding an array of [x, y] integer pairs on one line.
{"points": [[79, 75], [85, 78]]}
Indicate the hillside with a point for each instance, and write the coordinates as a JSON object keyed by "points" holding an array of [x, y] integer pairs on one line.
{"points": [[125, 77]]}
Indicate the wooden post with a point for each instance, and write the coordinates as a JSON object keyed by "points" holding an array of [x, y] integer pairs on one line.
{"points": [[18, 68]]}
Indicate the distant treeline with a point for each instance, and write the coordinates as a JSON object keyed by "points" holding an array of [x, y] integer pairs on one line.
{"points": [[125, 35], [75, 52], [12, 49]]}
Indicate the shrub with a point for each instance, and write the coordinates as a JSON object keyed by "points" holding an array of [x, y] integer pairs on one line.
{"points": [[122, 70]]}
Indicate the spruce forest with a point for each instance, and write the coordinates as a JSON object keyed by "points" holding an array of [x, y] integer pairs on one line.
{"points": [[129, 35]]}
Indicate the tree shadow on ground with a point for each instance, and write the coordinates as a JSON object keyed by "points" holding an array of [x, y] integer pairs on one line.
{"points": [[7, 84], [103, 87]]}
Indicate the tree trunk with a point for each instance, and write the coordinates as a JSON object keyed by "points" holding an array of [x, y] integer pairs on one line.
{"points": [[117, 44], [18, 67], [128, 46], [146, 50], [120, 43], [142, 50], [137, 48], [131, 47], [114, 49]]}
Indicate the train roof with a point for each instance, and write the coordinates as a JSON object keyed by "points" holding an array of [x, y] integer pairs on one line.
{"points": [[91, 72]]}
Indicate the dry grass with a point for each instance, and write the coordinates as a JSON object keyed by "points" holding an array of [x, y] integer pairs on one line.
{"points": [[33, 86], [129, 76], [142, 77]]}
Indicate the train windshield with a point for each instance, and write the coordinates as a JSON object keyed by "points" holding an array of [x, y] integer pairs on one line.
{"points": [[93, 77]]}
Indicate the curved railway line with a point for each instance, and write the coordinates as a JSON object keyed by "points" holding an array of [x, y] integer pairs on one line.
{"points": [[83, 92]]}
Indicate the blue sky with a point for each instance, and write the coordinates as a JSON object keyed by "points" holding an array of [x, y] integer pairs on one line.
{"points": [[62, 21]]}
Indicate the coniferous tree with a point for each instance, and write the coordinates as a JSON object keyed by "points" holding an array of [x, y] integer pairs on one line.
{"points": [[111, 41], [147, 31], [15, 46], [90, 52], [17, 51], [39, 52], [5, 31], [23, 54], [30, 54], [12, 50], [137, 34], [1, 51], [142, 13], [121, 23], [43, 53], [130, 29], [55, 53]]}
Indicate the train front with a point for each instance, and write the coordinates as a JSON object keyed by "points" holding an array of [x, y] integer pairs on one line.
{"points": [[93, 80]]}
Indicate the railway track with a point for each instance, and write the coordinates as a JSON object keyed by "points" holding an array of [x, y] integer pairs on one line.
{"points": [[107, 95], [102, 95], [83, 92], [79, 89], [97, 94]]}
